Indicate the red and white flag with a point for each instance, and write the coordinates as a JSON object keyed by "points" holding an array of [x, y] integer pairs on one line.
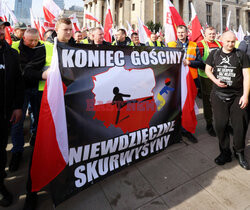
{"points": [[240, 34], [228, 21], [42, 29], [75, 22], [10, 13], [51, 148], [48, 25], [90, 16], [51, 10], [35, 23], [7, 29], [108, 25], [188, 94], [196, 28], [175, 14], [130, 30], [143, 34], [170, 28]]}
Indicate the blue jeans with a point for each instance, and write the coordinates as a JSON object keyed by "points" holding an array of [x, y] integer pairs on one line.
{"points": [[32, 97]]}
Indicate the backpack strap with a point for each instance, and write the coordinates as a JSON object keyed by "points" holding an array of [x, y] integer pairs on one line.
{"points": [[216, 54], [239, 56]]}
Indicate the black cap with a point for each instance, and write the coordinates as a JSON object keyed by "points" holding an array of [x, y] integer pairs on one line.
{"points": [[5, 23]]}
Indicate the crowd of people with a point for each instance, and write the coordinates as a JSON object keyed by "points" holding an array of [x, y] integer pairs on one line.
{"points": [[220, 72]]}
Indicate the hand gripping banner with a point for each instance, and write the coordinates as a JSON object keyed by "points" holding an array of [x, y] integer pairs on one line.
{"points": [[122, 105]]}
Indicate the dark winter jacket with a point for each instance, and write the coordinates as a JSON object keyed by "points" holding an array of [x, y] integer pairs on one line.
{"points": [[245, 45], [14, 38], [13, 88], [32, 61]]}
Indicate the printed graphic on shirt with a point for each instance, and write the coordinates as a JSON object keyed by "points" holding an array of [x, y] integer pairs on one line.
{"points": [[2, 66], [225, 71]]}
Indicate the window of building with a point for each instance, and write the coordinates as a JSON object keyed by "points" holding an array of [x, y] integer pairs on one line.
{"points": [[103, 12], [120, 5], [238, 17], [133, 7], [248, 21], [209, 14], [189, 10], [224, 17]]}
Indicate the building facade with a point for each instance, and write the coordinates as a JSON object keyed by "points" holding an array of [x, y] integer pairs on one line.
{"points": [[22, 10], [78, 11], [60, 3], [208, 11]]}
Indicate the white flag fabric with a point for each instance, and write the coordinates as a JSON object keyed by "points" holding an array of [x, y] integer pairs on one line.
{"points": [[169, 26], [143, 37]]}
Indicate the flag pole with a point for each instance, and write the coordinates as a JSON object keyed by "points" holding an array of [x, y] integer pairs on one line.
{"points": [[221, 19]]}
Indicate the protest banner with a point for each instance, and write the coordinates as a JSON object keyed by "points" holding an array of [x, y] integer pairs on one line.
{"points": [[122, 105]]}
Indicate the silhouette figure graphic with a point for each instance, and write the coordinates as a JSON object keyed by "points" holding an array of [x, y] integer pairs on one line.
{"points": [[120, 103]]}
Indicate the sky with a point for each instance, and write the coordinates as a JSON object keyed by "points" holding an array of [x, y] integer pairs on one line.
{"points": [[37, 5]]}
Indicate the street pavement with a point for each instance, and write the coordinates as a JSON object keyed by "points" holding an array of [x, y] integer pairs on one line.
{"points": [[184, 176]]}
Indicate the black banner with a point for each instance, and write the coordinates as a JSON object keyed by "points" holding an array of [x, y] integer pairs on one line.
{"points": [[123, 104]]}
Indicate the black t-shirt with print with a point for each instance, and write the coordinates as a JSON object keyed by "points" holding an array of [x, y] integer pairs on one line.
{"points": [[227, 67]]}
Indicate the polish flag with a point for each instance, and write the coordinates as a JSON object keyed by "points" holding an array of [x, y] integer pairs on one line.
{"points": [[130, 30], [48, 25], [176, 18], [75, 22], [51, 148], [7, 35], [35, 23], [7, 29], [42, 29], [90, 16], [147, 31], [11, 14], [188, 95], [240, 34], [228, 20], [170, 28], [51, 10], [196, 28], [108, 25], [143, 35]]}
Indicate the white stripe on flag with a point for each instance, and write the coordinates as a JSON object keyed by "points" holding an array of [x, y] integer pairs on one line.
{"points": [[57, 105]]}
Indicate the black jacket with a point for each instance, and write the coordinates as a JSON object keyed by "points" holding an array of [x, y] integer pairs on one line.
{"points": [[14, 38], [13, 88], [245, 45], [32, 61]]}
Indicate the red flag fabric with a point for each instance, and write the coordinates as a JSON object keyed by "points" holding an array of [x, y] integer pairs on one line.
{"points": [[108, 25], [196, 27], [48, 25], [7, 36], [42, 31], [188, 95], [170, 26], [51, 144], [90, 16], [176, 16], [50, 10], [147, 31]]}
